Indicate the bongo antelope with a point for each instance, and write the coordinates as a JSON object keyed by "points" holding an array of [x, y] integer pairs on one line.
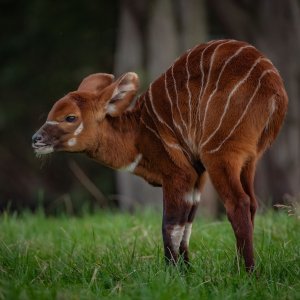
{"points": [[215, 111]]}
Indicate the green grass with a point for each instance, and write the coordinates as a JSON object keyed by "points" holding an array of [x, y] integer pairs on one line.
{"points": [[114, 255]]}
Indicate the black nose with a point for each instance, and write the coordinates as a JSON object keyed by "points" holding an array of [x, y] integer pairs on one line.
{"points": [[37, 137]]}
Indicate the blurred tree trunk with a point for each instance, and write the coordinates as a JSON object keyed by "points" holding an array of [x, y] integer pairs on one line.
{"points": [[151, 35], [274, 28]]}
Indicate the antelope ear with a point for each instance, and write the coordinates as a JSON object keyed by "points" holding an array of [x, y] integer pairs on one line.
{"points": [[123, 93], [95, 83]]}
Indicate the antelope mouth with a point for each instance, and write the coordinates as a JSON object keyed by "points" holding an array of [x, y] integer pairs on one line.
{"points": [[42, 148]]}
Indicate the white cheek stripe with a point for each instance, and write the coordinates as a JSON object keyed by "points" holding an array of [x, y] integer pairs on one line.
{"points": [[52, 122], [187, 233], [72, 142], [78, 129], [131, 167], [176, 237]]}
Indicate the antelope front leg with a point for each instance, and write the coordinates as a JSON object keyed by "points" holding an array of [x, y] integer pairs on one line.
{"points": [[177, 209], [194, 199]]}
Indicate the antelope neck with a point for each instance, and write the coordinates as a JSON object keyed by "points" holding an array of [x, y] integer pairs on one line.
{"points": [[116, 143]]}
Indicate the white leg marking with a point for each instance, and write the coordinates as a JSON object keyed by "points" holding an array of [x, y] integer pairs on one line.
{"points": [[72, 142], [52, 122], [189, 197], [78, 129], [176, 237], [245, 111], [131, 167], [197, 196], [229, 100], [217, 83], [193, 196], [187, 233]]}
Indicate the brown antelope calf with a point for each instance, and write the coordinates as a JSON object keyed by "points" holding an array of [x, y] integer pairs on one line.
{"points": [[215, 111]]}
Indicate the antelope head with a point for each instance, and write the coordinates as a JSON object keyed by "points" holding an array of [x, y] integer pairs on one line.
{"points": [[71, 123]]}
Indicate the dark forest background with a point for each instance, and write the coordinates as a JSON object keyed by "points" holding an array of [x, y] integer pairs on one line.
{"points": [[48, 46]]}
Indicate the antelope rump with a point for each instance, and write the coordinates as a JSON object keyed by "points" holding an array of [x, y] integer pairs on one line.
{"points": [[214, 111]]}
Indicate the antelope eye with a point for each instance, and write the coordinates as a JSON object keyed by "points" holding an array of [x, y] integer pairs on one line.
{"points": [[70, 119]]}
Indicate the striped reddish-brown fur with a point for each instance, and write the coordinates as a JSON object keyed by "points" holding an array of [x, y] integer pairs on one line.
{"points": [[215, 111]]}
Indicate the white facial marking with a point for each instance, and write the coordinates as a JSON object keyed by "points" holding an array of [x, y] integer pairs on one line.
{"points": [[131, 167], [176, 236], [187, 233], [52, 122], [44, 150], [193, 197], [72, 142], [111, 108], [78, 129]]}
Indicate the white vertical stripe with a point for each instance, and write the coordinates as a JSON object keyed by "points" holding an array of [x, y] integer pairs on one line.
{"points": [[150, 129], [171, 145], [172, 111], [188, 90], [212, 59], [229, 100], [201, 64], [244, 112], [217, 83], [202, 83], [155, 111], [175, 89]]}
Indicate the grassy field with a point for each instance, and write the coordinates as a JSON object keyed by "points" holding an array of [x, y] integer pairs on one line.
{"points": [[113, 255]]}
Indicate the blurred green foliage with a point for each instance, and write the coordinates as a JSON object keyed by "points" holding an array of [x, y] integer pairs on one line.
{"points": [[46, 48]]}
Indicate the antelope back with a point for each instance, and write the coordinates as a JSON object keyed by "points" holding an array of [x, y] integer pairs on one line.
{"points": [[216, 95]]}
